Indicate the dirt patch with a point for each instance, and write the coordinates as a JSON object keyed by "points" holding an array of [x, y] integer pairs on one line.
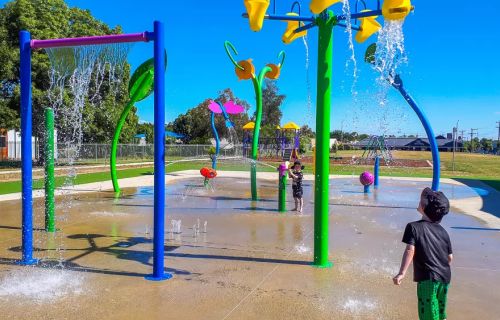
{"points": [[405, 163]]}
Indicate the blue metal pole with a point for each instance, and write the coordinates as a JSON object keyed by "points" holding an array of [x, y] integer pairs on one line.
{"points": [[217, 142], [375, 171], [283, 18], [26, 150], [436, 164], [159, 156], [366, 189], [358, 15]]}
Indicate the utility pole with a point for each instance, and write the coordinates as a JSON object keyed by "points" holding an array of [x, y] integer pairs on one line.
{"points": [[498, 138], [455, 137], [462, 132], [472, 139]]}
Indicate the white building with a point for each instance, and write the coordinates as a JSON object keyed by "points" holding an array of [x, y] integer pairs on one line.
{"points": [[10, 145]]}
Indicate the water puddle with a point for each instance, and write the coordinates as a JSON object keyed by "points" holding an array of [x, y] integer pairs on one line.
{"points": [[358, 306], [40, 285]]}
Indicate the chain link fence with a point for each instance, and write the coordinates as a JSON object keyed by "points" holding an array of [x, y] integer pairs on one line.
{"points": [[99, 153]]}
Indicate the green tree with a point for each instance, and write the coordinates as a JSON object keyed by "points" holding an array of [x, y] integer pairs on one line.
{"points": [[47, 19], [336, 134], [8, 117], [271, 103], [305, 131], [306, 134], [474, 145], [148, 129], [362, 136], [486, 144], [195, 123]]}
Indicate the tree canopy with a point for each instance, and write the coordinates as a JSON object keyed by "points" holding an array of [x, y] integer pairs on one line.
{"points": [[46, 19], [271, 103], [195, 123], [346, 136]]}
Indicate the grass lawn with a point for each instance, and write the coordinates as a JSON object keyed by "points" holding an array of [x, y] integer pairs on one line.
{"points": [[15, 186], [467, 166]]}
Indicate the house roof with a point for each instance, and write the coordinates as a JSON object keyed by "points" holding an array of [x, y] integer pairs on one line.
{"points": [[174, 135], [409, 142]]}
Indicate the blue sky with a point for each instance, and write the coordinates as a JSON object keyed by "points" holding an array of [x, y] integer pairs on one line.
{"points": [[452, 71]]}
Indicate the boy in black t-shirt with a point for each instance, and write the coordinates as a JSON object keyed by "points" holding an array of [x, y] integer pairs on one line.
{"points": [[296, 174], [429, 246]]}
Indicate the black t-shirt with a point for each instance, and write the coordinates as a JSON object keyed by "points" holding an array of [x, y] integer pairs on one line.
{"points": [[432, 247], [297, 182]]}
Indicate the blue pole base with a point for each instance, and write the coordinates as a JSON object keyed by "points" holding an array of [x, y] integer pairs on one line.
{"points": [[163, 277], [323, 266], [28, 262], [366, 189]]}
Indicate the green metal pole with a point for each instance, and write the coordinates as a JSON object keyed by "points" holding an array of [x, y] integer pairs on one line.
{"points": [[282, 193], [326, 21], [50, 225], [114, 145], [257, 84]]}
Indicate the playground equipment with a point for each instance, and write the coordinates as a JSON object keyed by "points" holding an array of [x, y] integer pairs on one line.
{"points": [[290, 150], [377, 149], [140, 87], [284, 144], [247, 139], [245, 70], [376, 169], [397, 83], [216, 107], [366, 179], [258, 10], [26, 45], [326, 21], [208, 173], [283, 172]]}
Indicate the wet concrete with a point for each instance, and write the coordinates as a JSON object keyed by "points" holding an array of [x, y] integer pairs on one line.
{"points": [[252, 263]]}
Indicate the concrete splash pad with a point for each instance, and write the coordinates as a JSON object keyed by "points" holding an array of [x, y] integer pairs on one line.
{"points": [[252, 263]]}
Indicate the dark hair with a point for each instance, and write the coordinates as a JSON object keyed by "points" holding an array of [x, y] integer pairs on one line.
{"points": [[297, 163], [434, 204]]}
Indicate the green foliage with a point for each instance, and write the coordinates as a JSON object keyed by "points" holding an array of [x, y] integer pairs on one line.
{"points": [[305, 144], [148, 129], [268, 131], [472, 146], [47, 19], [486, 144], [305, 131], [334, 148], [8, 118], [271, 103], [346, 136], [195, 123]]}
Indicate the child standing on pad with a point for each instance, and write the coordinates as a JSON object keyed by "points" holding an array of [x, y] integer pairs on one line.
{"points": [[295, 172], [428, 245]]}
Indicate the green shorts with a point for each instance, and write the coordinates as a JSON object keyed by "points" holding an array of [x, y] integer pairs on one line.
{"points": [[432, 300]]}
